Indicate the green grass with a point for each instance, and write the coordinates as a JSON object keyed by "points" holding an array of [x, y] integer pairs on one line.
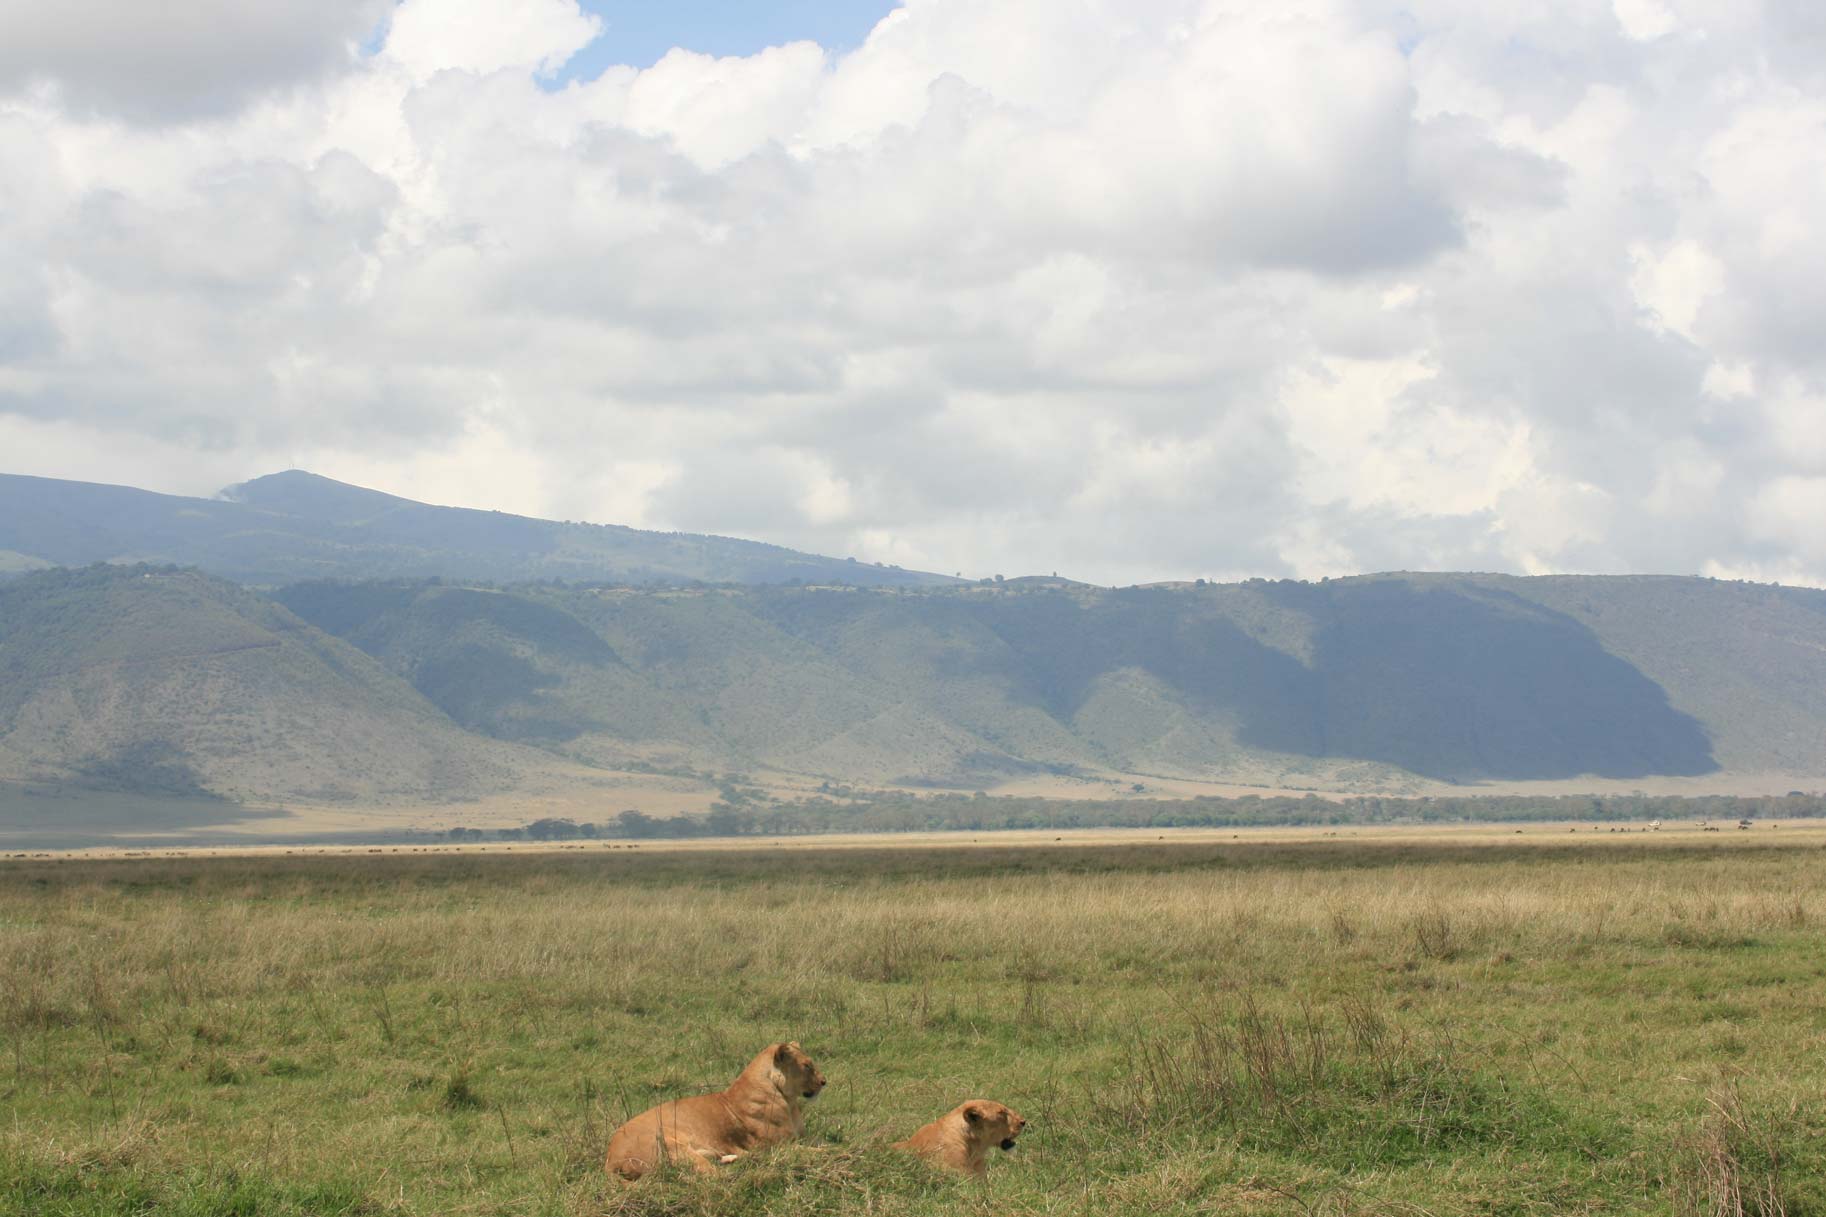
{"points": [[1312, 1028]]}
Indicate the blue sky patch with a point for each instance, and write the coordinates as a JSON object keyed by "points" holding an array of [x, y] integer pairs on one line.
{"points": [[639, 32]]}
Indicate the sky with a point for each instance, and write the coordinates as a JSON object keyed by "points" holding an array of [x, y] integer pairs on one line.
{"points": [[1123, 289], [640, 32]]}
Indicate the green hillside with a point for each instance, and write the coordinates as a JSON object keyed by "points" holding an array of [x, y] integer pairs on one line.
{"points": [[161, 682], [1354, 683], [177, 685], [295, 525], [1747, 660]]}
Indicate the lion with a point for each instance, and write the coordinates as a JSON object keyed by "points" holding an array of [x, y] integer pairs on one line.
{"points": [[960, 1139], [763, 1106]]}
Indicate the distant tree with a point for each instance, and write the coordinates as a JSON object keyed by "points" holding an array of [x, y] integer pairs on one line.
{"points": [[634, 824], [727, 821]]}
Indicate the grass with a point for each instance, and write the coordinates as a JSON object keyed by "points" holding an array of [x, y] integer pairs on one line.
{"points": [[1300, 1027]]}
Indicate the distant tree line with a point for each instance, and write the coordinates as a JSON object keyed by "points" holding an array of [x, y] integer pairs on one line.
{"points": [[894, 812]]}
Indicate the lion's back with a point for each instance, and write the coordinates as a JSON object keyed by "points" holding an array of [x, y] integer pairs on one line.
{"points": [[678, 1127]]}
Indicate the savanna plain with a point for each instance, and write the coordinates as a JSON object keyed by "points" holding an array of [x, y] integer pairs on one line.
{"points": [[1318, 1023]]}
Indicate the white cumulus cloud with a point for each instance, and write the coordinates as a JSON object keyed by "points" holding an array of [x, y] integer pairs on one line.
{"points": [[481, 36], [1127, 290]]}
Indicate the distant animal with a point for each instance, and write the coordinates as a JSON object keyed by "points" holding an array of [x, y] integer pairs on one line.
{"points": [[961, 1139], [763, 1106]]}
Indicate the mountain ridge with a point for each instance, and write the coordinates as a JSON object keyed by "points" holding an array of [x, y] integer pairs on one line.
{"points": [[170, 681], [295, 525]]}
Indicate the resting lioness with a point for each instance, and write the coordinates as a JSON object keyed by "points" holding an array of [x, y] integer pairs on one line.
{"points": [[764, 1105], [961, 1138]]}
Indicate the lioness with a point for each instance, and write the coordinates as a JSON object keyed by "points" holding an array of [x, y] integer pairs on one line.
{"points": [[764, 1105], [960, 1139]]}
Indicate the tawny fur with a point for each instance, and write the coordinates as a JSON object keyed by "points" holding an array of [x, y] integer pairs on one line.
{"points": [[961, 1139], [763, 1106]]}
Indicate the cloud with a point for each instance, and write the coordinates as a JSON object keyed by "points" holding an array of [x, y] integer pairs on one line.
{"points": [[1127, 291], [481, 36], [1787, 513], [152, 63]]}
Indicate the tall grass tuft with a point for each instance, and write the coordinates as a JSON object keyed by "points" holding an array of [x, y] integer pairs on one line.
{"points": [[1731, 1165], [459, 1094], [1342, 1085]]}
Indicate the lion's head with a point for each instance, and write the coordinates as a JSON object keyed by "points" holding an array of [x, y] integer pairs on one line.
{"points": [[799, 1075], [990, 1123]]}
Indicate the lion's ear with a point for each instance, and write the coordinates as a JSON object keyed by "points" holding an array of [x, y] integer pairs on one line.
{"points": [[783, 1053], [973, 1114]]}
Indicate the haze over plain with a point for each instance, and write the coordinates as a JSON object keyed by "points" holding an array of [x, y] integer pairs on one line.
{"points": [[1126, 291]]}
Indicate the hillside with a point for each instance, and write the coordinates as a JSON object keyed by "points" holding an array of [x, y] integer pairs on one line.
{"points": [[172, 683], [1369, 683], [295, 525]]}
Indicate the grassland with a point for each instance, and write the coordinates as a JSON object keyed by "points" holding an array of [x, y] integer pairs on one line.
{"points": [[1281, 1023]]}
